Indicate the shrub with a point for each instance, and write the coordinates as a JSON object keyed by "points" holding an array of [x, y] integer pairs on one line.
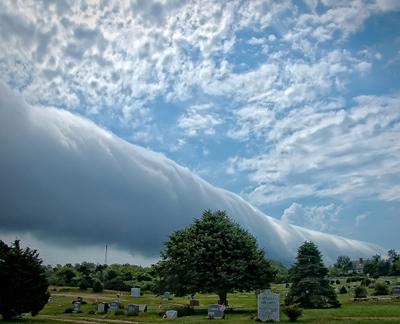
{"points": [[343, 290], [97, 287], [116, 284], [293, 312], [92, 312], [348, 280], [337, 281], [366, 282], [360, 292], [332, 282], [119, 312], [381, 289], [68, 310]]}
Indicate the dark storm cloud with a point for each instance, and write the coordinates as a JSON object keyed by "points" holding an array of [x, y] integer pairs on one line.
{"points": [[65, 180]]}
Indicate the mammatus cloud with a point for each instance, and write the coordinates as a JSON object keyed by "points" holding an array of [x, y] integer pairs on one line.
{"points": [[65, 180]]}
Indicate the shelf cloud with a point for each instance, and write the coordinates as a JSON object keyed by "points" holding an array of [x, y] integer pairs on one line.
{"points": [[66, 180]]}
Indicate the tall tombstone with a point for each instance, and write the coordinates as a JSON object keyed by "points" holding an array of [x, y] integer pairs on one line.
{"points": [[268, 306], [77, 307], [100, 308], [135, 292]]}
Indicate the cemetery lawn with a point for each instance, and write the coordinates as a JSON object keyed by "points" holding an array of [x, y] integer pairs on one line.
{"points": [[244, 304]]}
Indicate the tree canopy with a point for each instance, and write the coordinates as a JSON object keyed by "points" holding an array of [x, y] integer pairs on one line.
{"points": [[310, 287], [214, 254], [23, 281]]}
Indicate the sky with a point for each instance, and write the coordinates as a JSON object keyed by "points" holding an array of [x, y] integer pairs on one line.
{"points": [[293, 106]]}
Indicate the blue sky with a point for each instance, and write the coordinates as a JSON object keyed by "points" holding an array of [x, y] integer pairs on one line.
{"points": [[295, 106]]}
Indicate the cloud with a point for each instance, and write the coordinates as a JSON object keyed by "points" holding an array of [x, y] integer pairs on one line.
{"points": [[199, 119], [345, 153], [361, 218], [66, 180], [320, 218]]}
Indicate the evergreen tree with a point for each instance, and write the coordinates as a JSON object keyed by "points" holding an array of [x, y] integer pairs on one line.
{"points": [[23, 284], [214, 254], [310, 287]]}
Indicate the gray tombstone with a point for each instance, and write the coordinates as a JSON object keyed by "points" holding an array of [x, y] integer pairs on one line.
{"points": [[396, 291], [135, 292], [268, 306], [114, 306], [77, 307], [142, 307], [171, 314], [167, 295], [101, 308], [216, 311], [133, 309]]}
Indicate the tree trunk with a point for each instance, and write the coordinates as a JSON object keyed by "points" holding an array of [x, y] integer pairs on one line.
{"points": [[222, 298]]}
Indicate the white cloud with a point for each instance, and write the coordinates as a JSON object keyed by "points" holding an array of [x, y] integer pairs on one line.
{"points": [[65, 180], [321, 218], [345, 153], [361, 218], [198, 119]]}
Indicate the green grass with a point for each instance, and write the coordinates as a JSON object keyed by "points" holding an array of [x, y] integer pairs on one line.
{"points": [[245, 306]]}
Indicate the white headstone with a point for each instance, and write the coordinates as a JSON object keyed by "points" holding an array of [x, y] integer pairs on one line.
{"points": [[268, 306], [100, 308], [135, 292], [216, 311], [133, 309], [171, 314], [167, 295]]}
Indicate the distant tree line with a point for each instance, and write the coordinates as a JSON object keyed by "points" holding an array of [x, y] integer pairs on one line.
{"points": [[374, 267], [86, 275]]}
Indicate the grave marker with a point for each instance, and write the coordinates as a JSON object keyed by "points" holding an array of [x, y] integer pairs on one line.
{"points": [[268, 306], [216, 311], [135, 292], [396, 291], [101, 308], [133, 309], [167, 295], [114, 306], [171, 314], [77, 307]]}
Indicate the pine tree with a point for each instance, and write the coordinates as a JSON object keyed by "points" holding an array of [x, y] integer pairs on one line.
{"points": [[23, 285], [310, 287]]}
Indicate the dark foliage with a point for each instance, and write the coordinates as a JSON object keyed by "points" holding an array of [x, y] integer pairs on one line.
{"points": [[23, 281], [310, 287]]}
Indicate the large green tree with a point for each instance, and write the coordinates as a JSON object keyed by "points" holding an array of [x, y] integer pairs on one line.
{"points": [[214, 254], [310, 287], [23, 284]]}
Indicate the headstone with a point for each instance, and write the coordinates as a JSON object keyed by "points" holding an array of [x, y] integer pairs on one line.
{"points": [[268, 306], [171, 314], [216, 311], [114, 306], [142, 307], [100, 308], [133, 309], [135, 292], [396, 291], [77, 307], [167, 295], [194, 302]]}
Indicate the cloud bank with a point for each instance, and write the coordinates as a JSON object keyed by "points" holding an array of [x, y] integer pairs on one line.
{"points": [[66, 180]]}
